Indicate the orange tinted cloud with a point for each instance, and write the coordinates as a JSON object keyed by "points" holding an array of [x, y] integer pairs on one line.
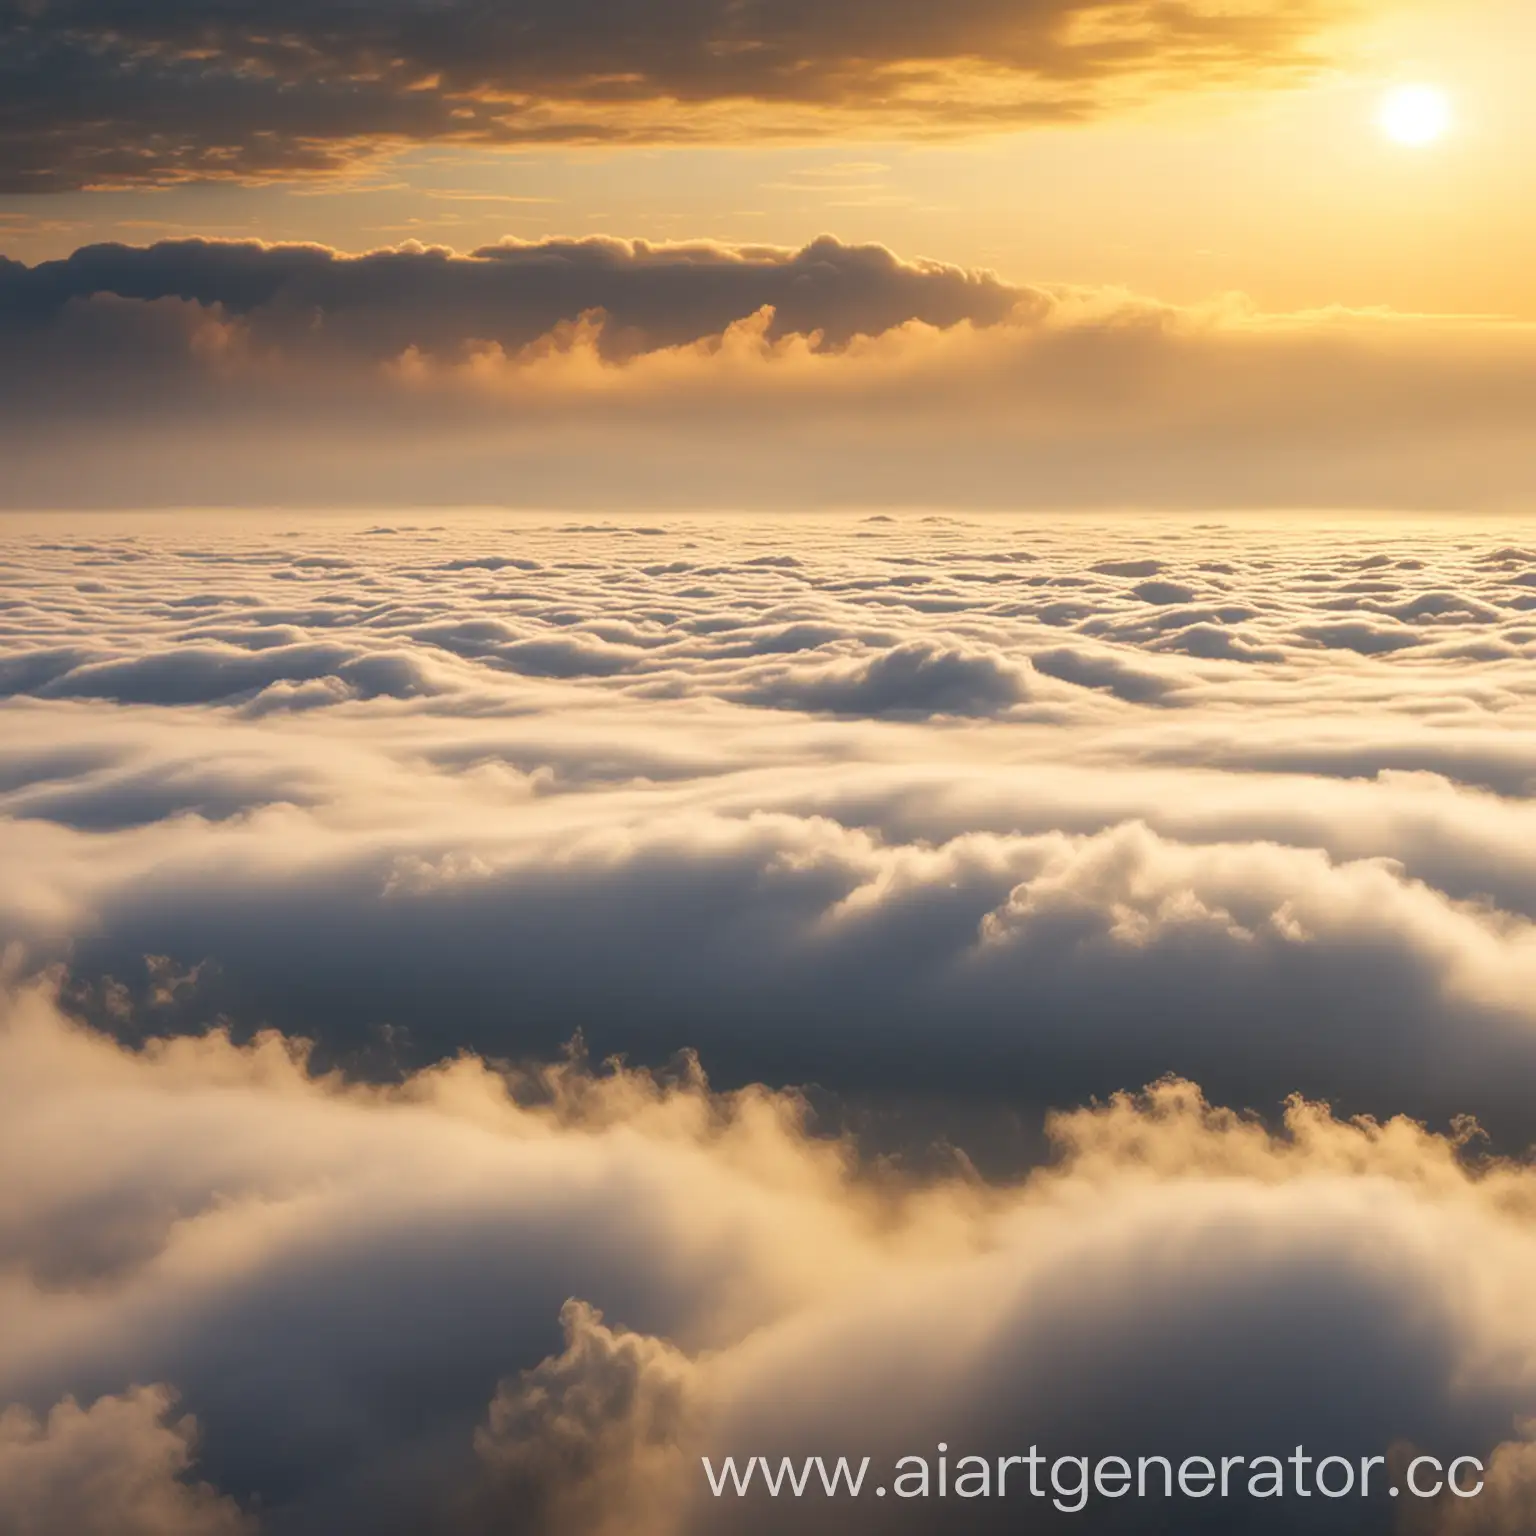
{"points": [[162, 91], [570, 372]]}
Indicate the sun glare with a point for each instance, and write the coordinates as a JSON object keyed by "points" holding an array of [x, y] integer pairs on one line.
{"points": [[1415, 114]]}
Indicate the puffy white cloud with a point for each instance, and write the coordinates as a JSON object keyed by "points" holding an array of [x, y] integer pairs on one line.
{"points": [[337, 1275], [825, 801], [916, 679], [922, 811]]}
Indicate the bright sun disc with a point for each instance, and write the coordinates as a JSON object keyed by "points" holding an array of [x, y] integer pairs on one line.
{"points": [[1415, 114]]}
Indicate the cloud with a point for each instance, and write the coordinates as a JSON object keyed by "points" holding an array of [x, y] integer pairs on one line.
{"points": [[881, 816], [590, 1439], [257, 93], [334, 838], [1360, 635], [1087, 670], [377, 305], [1506, 1505], [116, 1468], [917, 679], [1176, 1281], [604, 373], [205, 675]]}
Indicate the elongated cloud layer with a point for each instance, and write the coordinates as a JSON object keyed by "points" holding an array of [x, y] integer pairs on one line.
{"points": [[600, 372], [164, 90], [374, 307]]}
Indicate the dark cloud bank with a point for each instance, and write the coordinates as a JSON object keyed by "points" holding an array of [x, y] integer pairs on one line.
{"points": [[375, 306], [103, 93], [600, 372]]}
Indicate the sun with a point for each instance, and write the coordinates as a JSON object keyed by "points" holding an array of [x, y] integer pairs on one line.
{"points": [[1415, 114]]}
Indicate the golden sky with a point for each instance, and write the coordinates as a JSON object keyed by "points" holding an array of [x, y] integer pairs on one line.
{"points": [[1182, 162], [945, 587], [1109, 252]]}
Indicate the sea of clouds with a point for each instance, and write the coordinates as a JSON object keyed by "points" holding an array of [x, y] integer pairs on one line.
{"points": [[1075, 980]]}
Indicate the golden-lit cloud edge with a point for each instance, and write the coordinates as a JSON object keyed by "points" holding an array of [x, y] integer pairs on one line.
{"points": [[577, 371], [261, 93], [252, 1200]]}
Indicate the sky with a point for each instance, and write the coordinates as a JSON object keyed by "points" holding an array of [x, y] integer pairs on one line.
{"points": [[1177, 166], [1196, 202], [766, 729]]}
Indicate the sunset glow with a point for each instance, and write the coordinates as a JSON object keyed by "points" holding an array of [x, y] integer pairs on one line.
{"points": [[1416, 115], [767, 768]]}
